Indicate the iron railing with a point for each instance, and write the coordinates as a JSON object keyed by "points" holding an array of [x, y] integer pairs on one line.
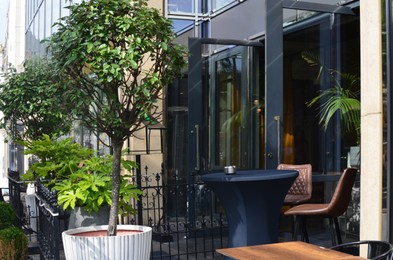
{"points": [[184, 218], [26, 213], [52, 221]]}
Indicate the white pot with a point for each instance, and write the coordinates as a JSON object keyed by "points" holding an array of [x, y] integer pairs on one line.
{"points": [[121, 247]]}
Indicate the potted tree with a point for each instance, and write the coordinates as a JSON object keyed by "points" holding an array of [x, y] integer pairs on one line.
{"points": [[118, 55]]}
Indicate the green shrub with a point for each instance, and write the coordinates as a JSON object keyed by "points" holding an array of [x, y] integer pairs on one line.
{"points": [[7, 215], [13, 244]]}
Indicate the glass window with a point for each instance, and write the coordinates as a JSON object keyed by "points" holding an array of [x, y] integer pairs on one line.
{"points": [[65, 11], [183, 6], [48, 18], [55, 13], [312, 65], [41, 19], [217, 4], [179, 25]]}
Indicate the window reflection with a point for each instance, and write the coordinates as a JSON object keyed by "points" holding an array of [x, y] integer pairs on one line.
{"points": [[217, 4], [179, 25], [184, 6]]}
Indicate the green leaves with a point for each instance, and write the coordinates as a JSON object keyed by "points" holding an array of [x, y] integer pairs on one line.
{"points": [[90, 186], [112, 47], [56, 159], [342, 98], [34, 99]]}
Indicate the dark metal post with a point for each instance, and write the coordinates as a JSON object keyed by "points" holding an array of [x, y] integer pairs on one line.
{"points": [[139, 185], [273, 81], [389, 130]]}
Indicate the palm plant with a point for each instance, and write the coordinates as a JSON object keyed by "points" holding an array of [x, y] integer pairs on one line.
{"points": [[343, 97]]}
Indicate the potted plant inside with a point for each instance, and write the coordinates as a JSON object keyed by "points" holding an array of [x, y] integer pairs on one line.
{"points": [[118, 56], [343, 97]]}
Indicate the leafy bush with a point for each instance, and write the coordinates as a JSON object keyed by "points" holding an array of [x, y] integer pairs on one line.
{"points": [[90, 186], [57, 158], [7, 215], [13, 244]]}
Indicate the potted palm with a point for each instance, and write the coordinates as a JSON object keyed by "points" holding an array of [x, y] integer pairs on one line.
{"points": [[343, 98], [117, 55]]}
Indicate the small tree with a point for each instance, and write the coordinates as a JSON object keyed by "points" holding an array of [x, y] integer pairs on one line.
{"points": [[119, 55], [33, 100]]}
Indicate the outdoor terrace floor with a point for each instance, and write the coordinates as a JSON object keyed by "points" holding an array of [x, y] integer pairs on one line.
{"points": [[319, 234]]}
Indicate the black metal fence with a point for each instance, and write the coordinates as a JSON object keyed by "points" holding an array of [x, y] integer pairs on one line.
{"points": [[187, 222], [186, 219], [26, 213], [51, 222]]}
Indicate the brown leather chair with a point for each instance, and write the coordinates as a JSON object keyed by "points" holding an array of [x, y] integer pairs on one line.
{"points": [[337, 206], [301, 189]]}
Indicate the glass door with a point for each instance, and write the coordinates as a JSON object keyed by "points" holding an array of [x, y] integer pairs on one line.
{"points": [[236, 109], [226, 105]]}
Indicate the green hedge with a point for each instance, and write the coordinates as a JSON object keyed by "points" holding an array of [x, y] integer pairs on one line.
{"points": [[13, 244], [7, 215]]}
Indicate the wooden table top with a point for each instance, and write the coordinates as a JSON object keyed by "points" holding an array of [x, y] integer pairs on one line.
{"points": [[285, 250]]}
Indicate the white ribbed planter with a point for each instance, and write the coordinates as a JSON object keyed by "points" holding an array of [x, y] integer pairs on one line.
{"points": [[121, 247]]}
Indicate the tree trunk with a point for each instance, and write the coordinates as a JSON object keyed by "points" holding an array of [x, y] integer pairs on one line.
{"points": [[112, 225]]}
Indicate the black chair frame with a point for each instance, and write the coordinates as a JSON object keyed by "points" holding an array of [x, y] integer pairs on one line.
{"points": [[377, 250]]}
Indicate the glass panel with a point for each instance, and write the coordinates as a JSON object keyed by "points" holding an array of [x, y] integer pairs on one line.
{"points": [[319, 59], [41, 18], [183, 6], [236, 112], [55, 14], [229, 125], [217, 4], [48, 18], [179, 25]]}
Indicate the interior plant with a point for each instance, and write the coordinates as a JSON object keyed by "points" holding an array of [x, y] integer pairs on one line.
{"points": [[13, 243], [342, 97], [117, 55]]}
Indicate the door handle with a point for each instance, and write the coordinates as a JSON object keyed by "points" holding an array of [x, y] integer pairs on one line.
{"points": [[278, 123], [197, 152]]}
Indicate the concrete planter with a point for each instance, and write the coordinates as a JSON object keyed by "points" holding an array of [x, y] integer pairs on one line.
{"points": [[88, 243]]}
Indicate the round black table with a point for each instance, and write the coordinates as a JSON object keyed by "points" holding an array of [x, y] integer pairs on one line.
{"points": [[252, 200]]}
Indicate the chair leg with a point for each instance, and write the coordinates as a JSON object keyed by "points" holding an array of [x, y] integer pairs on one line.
{"points": [[338, 231], [295, 227], [335, 232], [332, 232], [293, 224], [304, 229]]}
